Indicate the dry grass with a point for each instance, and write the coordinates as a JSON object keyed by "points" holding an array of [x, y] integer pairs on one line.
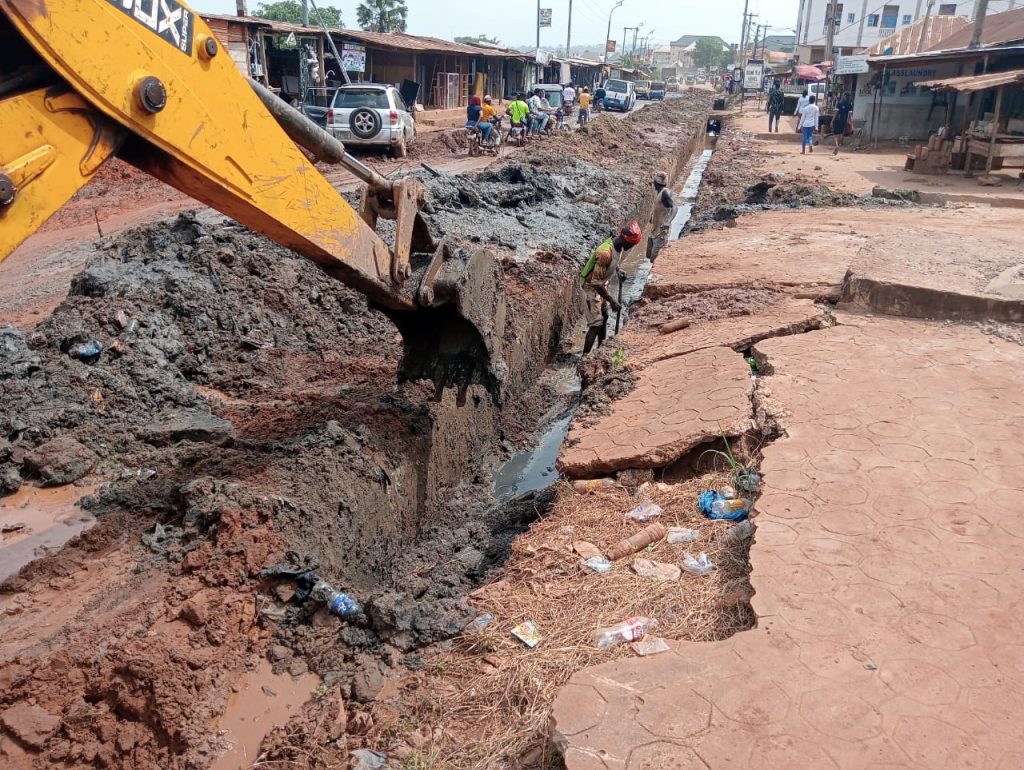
{"points": [[488, 699]]}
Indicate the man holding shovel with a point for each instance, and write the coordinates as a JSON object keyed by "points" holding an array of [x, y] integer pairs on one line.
{"points": [[603, 264]]}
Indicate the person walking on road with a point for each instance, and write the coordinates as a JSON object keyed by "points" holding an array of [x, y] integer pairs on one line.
{"points": [[664, 213], [841, 124], [776, 99], [808, 125], [585, 99], [602, 266], [800, 104]]}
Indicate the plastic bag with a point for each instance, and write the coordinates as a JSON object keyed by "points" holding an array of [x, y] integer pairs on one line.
{"points": [[682, 535], [644, 512], [698, 566], [708, 499]]}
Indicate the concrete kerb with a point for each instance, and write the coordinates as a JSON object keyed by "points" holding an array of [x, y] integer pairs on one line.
{"points": [[899, 299]]}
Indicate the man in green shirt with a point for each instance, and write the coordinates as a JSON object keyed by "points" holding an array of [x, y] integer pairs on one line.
{"points": [[517, 110]]}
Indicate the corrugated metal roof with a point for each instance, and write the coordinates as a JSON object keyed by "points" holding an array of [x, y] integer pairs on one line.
{"points": [[999, 29], [906, 40], [975, 82], [396, 40]]}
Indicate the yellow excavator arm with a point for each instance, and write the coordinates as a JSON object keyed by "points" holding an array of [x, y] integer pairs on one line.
{"points": [[81, 80]]}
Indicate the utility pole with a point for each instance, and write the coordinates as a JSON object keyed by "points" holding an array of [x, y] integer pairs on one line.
{"points": [[830, 37], [979, 23], [568, 31], [830, 40], [608, 35], [924, 27], [743, 31], [538, 27], [305, 13]]}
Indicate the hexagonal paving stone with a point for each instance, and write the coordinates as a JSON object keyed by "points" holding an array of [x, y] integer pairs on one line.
{"points": [[755, 701], [589, 708], [790, 751], [783, 506], [839, 713], [933, 744], [940, 632], [675, 712], [919, 681], [662, 755]]}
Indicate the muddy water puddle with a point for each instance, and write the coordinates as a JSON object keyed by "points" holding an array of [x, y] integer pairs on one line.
{"points": [[263, 701], [34, 520]]}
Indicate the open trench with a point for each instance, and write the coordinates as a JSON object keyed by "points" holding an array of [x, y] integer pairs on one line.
{"points": [[247, 415]]}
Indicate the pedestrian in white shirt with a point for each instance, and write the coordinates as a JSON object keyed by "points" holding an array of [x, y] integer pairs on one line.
{"points": [[808, 125], [802, 102], [569, 94]]}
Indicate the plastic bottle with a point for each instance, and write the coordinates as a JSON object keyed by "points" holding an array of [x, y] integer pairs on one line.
{"points": [[631, 630], [592, 485], [728, 505], [338, 603]]}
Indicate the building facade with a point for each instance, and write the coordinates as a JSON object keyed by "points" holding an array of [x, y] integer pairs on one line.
{"points": [[860, 24]]}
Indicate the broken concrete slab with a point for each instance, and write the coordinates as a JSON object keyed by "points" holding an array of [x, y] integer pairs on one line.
{"points": [[885, 561], [60, 461], [791, 316], [678, 404], [200, 427], [900, 298]]}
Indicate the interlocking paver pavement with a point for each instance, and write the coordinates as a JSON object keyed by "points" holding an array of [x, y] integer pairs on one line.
{"points": [[888, 566], [677, 405]]}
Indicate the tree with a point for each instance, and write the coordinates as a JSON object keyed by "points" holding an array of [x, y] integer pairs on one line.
{"points": [[382, 15], [291, 11], [707, 53], [477, 39]]}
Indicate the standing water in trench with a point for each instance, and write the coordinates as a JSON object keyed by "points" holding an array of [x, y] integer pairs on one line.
{"points": [[533, 469]]}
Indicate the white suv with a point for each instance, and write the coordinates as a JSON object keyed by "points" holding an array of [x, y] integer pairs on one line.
{"points": [[370, 114]]}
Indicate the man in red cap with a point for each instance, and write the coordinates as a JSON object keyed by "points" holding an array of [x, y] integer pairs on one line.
{"points": [[603, 264]]}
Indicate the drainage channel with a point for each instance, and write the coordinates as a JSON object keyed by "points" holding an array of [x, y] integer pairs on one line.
{"points": [[533, 469]]}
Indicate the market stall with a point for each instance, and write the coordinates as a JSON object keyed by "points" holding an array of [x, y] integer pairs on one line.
{"points": [[994, 138]]}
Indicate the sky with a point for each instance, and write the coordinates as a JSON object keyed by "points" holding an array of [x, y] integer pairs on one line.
{"points": [[514, 23]]}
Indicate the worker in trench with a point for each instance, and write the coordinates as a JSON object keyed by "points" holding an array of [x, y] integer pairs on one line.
{"points": [[664, 214], [603, 265]]}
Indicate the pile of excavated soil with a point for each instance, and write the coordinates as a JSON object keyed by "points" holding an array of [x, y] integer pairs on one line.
{"points": [[739, 179], [244, 411]]}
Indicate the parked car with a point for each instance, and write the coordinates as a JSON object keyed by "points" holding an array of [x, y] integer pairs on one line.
{"points": [[619, 95], [315, 104], [642, 89], [373, 115], [658, 91]]}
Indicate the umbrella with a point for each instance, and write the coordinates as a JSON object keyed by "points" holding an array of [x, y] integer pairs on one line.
{"points": [[807, 72]]}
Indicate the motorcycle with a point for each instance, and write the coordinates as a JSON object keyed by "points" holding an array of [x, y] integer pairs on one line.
{"points": [[561, 120], [493, 145], [517, 134]]}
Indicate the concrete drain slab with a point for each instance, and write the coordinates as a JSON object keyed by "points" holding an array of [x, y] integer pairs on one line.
{"points": [[790, 316], [677, 405], [887, 573]]}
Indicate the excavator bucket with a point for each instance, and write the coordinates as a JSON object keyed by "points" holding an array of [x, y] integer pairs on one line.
{"points": [[454, 338], [161, 93]]}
